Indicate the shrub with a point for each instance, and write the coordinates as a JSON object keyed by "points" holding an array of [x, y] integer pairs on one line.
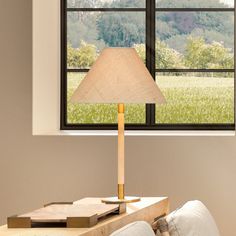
{"points": [[82, 57]]}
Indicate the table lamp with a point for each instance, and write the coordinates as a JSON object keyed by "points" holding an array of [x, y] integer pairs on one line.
{"points": [[118, 76]]}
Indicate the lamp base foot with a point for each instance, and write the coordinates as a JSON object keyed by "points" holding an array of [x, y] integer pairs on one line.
{"points": [[116, 200]]}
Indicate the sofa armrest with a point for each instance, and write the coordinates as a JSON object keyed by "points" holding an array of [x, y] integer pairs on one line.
{"points": [[138, 228]]}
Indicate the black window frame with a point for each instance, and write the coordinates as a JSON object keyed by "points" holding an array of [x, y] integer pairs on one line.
{"points": [[150, 11]]}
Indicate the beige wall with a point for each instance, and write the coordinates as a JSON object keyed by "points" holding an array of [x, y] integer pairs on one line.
{"points": [[37, 170]]}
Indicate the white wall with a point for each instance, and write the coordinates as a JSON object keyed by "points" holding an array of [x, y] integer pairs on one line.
{"points": [[36, 169], [46, 66]]}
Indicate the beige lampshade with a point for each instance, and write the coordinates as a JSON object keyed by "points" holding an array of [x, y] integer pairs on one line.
{"points": [[118, 76]]}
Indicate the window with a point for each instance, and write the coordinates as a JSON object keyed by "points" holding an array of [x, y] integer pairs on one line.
{"points": [[188, 47]]}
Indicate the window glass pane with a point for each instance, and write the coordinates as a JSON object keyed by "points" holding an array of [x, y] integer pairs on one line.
{"points": [[195, 40], [196, 98], [195, 3], [90, 32], [98, 113], [106, 3]]}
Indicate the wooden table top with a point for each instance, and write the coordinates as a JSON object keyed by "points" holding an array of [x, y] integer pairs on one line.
{"points": [[147, 209]]}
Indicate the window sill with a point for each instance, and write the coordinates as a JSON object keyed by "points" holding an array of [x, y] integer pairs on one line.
{"points": [[137, 133]]}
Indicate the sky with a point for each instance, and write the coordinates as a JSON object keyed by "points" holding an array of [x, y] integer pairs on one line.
{"points": [[228, 2]]}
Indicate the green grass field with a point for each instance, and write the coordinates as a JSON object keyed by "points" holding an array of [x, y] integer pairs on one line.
{"points": [[189, 100]]}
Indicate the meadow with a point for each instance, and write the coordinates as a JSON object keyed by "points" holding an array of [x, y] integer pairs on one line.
{"points": [[189, 99]]}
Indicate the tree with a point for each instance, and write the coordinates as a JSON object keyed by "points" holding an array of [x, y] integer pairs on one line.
{"points": [[82, 27], [125, 3], [128, 28], [200, 55], [177, 42], [190, 4], [83, 57], [121, 29], [166, 57], [72, 57], [209, 24], [140, 49], [82, 3]]}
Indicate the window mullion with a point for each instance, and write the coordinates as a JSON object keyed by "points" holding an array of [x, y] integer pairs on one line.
{"points": [[150, 52]]}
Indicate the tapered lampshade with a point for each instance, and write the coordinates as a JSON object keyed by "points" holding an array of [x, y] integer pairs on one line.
{"points": [[118, 76]]}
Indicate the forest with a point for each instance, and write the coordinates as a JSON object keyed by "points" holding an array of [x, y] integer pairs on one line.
{"points": [[184, 39]]}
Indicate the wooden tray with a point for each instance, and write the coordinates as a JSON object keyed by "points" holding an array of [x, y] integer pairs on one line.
{"points": [[70, 215]]}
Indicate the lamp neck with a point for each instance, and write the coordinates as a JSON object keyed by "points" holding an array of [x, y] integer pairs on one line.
{"points": [[121, 108], [121, 152]]}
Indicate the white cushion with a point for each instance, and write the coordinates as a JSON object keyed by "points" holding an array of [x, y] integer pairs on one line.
{"points": [[138, 228], [193, 219]]}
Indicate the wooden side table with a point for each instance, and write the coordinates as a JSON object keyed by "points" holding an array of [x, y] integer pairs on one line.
{"points": [[147, 209]]}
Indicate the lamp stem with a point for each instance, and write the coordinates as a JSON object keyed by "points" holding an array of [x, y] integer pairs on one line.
{"points": [[121, 151]]}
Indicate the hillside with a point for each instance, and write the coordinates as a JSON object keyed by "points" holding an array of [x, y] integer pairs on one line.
{"points": [[173, 28]]}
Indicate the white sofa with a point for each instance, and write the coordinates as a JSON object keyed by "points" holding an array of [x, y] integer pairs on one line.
{"points": [[139, 228], [192, 219]]}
